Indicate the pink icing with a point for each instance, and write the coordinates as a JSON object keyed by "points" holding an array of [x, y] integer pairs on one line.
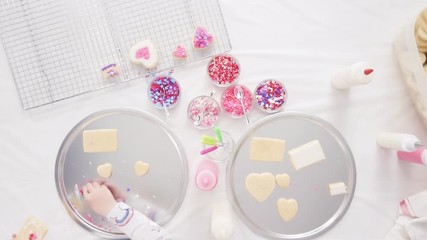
{"points": [[179, 52], [202, 38], [143, 53]]}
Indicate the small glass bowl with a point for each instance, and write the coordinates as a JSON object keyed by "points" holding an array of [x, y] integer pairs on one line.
{"points": [[203, 112], [224, 151], [232, 105], [223, 70], [270, 95], [164, 90]]}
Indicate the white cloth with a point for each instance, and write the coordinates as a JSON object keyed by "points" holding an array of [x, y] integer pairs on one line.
{"points": [[301, 42], [411, 223]]}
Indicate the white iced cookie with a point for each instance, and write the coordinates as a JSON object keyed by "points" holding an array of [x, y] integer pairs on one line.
{"points": [[260, 186], [32, 229], [141, 168], [306, 155], [267, 149], [144, 53], [105, 170], [283, 180], [100, 140], [337, 188], [287, 208]]}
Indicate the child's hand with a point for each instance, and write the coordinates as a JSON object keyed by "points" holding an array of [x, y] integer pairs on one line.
{"points": [[99, 198]]}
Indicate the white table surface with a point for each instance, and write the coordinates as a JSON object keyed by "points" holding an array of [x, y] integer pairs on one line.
{"points": [[299, 42]]}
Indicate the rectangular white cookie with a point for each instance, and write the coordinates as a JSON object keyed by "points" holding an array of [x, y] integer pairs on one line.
{"points": [[337, 188], [33, 227], [267, 149], [306, 155], [100, 140]]}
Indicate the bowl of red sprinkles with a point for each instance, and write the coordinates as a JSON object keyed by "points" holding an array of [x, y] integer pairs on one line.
{"points": [[270, 95], [223, 70], [234, 106]]}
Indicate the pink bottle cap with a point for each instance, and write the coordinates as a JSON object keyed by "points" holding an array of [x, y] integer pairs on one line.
{"points": [[207, 175], [418, 156]]}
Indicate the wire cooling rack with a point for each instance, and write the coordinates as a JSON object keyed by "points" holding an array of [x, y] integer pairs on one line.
{"points": [[57, 48]]}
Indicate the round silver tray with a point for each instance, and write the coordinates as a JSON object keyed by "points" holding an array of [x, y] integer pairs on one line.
{"points": [[317, 210], [141, 137]]}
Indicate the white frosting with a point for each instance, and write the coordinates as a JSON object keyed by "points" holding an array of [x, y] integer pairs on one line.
{"points": [[306, 155], [144, 53], [337, 188]]}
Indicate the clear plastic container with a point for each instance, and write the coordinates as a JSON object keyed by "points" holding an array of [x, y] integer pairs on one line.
{"points": [[203, 112], [412, 68], [224, 151]]}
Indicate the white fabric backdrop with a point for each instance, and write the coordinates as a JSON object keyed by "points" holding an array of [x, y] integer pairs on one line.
{"points": [[300, 42]]}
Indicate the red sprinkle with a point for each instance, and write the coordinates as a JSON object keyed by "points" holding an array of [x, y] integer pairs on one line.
{"points": [[368, 71], [32, 236], [223, 70]]}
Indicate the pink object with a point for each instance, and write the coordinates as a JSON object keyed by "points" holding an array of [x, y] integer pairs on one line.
{"points": [[207, 175], [32, 236], [368, 71], [232, 105], [208, 150], [418, 156], [202, 38], [179, 52], [223, 70], [142, 53]]}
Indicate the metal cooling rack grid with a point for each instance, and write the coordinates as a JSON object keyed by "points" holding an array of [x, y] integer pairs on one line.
{"points": [[56, 48]]}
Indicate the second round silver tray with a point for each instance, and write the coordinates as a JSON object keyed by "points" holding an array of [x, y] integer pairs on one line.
{"points": [[317, 210], [140, 137]]}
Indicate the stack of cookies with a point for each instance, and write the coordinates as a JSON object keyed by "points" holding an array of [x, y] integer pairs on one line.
{"points": [[421, 36]]}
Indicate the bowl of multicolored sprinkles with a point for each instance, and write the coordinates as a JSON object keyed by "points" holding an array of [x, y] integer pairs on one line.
{"points": [[270, 95], [164, 91]]}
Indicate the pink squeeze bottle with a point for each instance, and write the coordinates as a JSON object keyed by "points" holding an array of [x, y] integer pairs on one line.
{"points": [[207, 175], [418, 156]]}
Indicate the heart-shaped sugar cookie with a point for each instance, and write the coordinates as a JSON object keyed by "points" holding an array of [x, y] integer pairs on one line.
{"points": [[105, 170], [202, 38], [283, 180], [287, 208], [141, 168], [179, 52], [144, 53], [260, 186]]}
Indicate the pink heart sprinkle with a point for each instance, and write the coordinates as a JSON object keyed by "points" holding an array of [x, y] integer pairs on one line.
{"points": [[202, 38], [32, 236], [143, 53], [179, 52]]}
